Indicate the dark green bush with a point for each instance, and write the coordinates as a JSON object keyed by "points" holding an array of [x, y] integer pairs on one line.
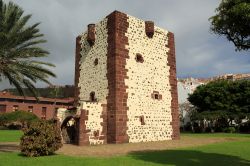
{"points": [[208, 130], [197, 128], [40, 138], [229, 130], [188, 127], [245, 127], [16, 120]]}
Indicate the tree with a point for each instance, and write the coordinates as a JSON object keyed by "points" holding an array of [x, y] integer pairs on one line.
{"points": [[222, 95], [19, 47], [233, 21], [222, 102]]}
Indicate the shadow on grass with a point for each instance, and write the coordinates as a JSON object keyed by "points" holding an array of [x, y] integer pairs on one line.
{"points": [[189, 157]]}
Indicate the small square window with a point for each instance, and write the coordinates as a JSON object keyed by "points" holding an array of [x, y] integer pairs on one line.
{"points": [[30, 109], [156, 95], [15, 107], [139, 58]]}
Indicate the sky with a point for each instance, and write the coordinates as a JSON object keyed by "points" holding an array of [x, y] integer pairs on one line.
{"points": [[199, 53]]}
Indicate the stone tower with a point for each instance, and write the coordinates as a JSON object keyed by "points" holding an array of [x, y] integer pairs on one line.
{"points": [[125, 78]]}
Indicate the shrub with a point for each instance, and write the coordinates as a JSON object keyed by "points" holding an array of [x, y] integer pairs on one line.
{"points": [[245, 127], [208, 130], [229, 130], [16, 120], [40, 138], [197, 128], [187, 127]]}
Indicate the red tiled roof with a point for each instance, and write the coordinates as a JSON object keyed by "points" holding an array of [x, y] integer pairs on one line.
{"points": [[7, 95]]}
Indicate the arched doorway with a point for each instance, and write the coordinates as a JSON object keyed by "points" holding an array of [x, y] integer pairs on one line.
{"points": [[69, 130]]}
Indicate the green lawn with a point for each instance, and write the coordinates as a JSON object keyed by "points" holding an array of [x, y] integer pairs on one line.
{"points": [[228, 135], [236, 153], [10, 135]]}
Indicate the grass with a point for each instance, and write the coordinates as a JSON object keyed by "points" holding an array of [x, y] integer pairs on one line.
{"points": [[224, 135], [10, 135], [235, 153]]}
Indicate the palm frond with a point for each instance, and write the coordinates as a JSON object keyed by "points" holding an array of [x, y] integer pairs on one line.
{"points": [[19, 47]]}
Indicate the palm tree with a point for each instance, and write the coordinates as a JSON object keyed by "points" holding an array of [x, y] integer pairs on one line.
{"points": [[19, 48]]}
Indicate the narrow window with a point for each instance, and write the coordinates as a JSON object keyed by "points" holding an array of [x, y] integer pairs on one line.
{"points": [[44, 111], [96, 62], [2, 108], [142, 120], [92, 97]]}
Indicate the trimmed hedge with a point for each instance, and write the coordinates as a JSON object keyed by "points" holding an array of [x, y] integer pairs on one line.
{"points": [[40, 138]]}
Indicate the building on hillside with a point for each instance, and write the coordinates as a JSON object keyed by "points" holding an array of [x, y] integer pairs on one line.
{"points": [[187, 86], [45, 108], [125, 78], [52, 91], [233, 77]]}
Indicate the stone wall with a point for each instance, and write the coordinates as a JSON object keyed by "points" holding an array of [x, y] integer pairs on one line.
{"points": [[149, 119], [93, 65], [96, 131], [130, 66], [93, 79]]}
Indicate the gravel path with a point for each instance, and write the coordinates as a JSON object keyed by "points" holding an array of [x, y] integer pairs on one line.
{"points": [[122, 149]]}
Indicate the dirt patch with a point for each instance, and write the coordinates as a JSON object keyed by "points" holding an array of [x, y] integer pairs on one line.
{"points": [[122, 149]]}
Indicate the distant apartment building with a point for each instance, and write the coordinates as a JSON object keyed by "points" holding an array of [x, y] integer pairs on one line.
{"points": [[44, 108]]}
